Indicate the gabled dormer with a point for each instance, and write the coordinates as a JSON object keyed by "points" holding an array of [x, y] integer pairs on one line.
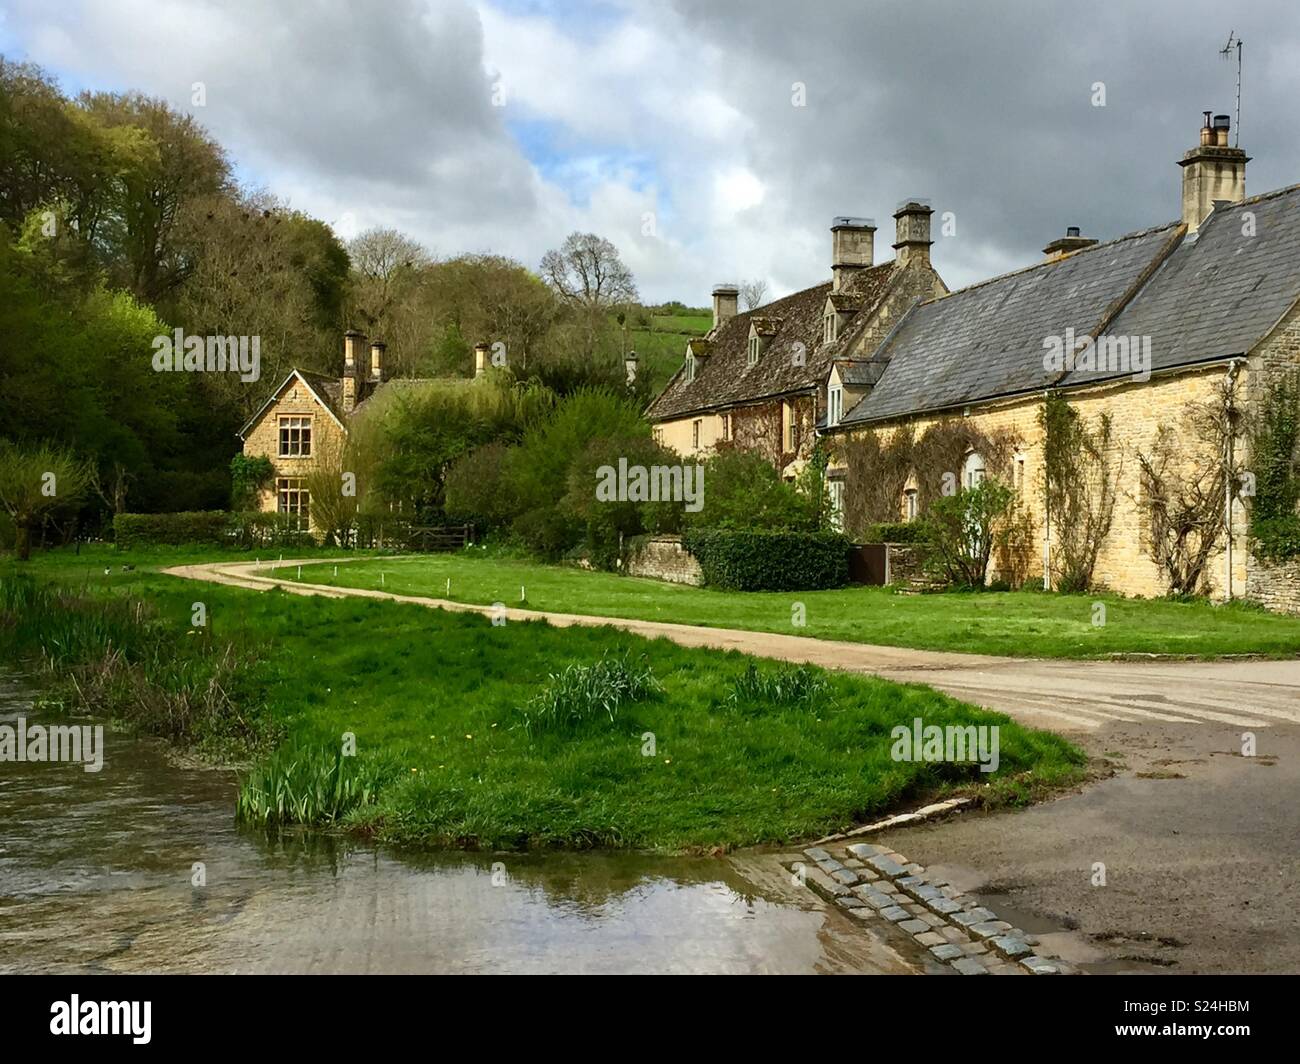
{"points": [[697, 354], [837, 313], [761, 331]]}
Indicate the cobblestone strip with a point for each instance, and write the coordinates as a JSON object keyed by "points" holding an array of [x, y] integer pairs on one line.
{"points": [[872, 882]]}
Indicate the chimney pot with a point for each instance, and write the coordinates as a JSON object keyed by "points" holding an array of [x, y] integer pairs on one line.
{"points": [[377, 349], [1212, 171], [482, 353], [1071, 230]]}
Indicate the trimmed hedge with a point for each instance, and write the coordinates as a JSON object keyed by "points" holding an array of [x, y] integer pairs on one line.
{"points": [[171, 530], [895, 532], [770, 561]]}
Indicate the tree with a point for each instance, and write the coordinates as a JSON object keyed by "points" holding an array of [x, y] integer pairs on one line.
{"points": [[588, 273], [753, 293], [35, 483]]}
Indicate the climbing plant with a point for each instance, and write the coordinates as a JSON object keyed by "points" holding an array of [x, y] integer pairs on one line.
{"points": [[1078, 485], [1275, 465]]}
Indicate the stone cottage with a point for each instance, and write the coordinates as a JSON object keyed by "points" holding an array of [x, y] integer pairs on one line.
{"points": [[757, 380], [1145, 336], [306, 420]]}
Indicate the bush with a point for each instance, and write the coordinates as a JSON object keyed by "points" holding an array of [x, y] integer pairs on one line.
{"points": [[585, 693], [963, 530], [770, 561], [895, 532], [206, 527], [259, 528], [477, 491], [744, 491]]}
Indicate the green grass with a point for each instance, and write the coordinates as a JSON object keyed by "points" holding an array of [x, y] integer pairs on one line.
{"points": [[662, 347], [1023, 623], [435, 703]]}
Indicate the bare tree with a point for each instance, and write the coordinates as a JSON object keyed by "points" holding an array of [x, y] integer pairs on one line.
{"points": [[753, 293], [588, 273]]}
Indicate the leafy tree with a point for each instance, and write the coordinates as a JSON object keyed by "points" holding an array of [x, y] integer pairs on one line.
{"points": [[743, 491], [963, 529]]}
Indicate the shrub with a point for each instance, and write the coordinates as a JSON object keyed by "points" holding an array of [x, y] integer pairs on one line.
{"points": [[895, 532], [171, 530], [786, 686], [770, 561], [582, 694], [477, 491], [744, 491], [266, 529], [248, 475], [962, 530]]}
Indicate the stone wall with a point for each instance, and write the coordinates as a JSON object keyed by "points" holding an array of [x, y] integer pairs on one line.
{"points": [[1275, 585], [664, 558]]}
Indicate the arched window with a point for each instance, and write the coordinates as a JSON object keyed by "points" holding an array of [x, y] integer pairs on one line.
{"points": [[973, 472]]}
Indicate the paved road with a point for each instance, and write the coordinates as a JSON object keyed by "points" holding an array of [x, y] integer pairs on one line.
{"points": [[1065, 696]]}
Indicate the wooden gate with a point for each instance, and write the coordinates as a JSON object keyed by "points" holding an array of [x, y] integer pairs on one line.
{"points": [[867, 563]]}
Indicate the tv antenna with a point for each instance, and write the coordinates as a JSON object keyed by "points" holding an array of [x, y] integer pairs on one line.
{"points": [[1226, 51]]}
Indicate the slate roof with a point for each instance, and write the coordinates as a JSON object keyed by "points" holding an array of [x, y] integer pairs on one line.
{"points": [[1221, 291], [986, 341], [724, 378]]}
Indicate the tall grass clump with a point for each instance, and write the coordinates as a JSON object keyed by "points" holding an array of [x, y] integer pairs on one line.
{"points": [[582, 694], [303, 786], [786, 686]]}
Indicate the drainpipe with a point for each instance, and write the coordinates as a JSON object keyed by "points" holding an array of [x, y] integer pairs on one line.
{"points": [[1227, 482], [1047, 518]]}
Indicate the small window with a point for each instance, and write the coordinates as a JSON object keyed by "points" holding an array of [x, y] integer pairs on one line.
{"points": [[973, 474], [828, 328], [726, 426], [695, 434], [834, 406], [293, 499], [753, 350], [295, 437], [791, 418], [690, 368], [909, 504]]}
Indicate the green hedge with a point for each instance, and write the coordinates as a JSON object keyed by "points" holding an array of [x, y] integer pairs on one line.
{"points": [[770, 561], [171, 530], [895, 532]]}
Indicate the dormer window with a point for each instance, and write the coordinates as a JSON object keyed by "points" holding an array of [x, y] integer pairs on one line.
{"points": [[753, 350], [829, 327], [690, 367], [834, 405]]}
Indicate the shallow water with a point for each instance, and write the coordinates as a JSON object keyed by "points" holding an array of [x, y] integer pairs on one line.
{"points": [[96, 875]]}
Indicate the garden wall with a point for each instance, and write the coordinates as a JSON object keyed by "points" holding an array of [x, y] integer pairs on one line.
{"points": [[664, 558], [1275, 586]]}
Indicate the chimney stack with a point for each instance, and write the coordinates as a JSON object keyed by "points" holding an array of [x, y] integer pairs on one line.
{"points": [[912, 225], [853, 243], [1068, 244], [377, 348], [1212, 172], [629, 364], [726, 300], [352, 341], [482, 355]]}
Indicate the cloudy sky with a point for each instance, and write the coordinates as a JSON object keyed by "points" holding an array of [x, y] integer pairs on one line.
{"points": [[710, 140]]}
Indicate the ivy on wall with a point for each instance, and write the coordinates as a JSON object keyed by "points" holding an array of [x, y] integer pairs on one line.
{"points": [[1275, 448]]}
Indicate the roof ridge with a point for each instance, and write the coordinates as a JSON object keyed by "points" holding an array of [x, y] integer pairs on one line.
{"points": [[1137, 234]]}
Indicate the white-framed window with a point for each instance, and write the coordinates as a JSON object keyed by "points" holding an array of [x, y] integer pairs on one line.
{"points": [[293, 499], [690, 367], [909, 504], [834, 404], [726, 426], [295, 437], [790, 420], [828, 328], [973, 473], [695, 433], [753, 350], [836, 490]]}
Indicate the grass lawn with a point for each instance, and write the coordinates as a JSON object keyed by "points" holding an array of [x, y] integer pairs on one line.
{"points": [[1024, 623], [434, 701]]}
